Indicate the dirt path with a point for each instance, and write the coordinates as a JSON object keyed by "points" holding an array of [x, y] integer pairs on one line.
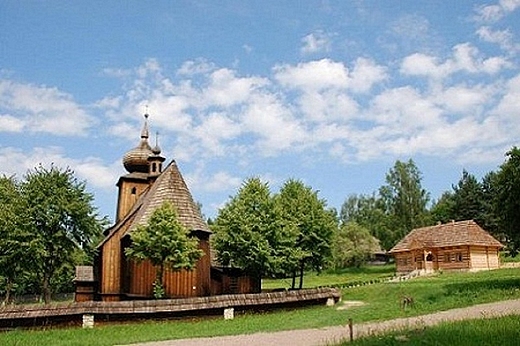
{"points": [[327, 335]]}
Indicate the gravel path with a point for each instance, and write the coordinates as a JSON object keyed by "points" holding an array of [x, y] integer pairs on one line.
{"points": [[327, 335]]}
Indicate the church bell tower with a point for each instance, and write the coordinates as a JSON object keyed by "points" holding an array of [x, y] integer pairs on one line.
{"points": [[143, 164]]}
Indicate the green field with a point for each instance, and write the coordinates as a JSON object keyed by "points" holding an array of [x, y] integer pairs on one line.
{"points": [[382, 302], [345, 277], [495, 331]]}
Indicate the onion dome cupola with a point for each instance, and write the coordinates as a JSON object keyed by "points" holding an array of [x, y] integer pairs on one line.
{"points": [[136, 160], [155, 160]]}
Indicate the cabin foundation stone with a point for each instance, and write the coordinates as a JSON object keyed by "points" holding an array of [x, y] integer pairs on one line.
{"points": [[229, 313], [88, 321]]}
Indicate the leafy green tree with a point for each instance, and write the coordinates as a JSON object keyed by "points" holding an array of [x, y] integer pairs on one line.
{"points": [[368, 211], [404, 199], [507, 198], [15, 241], [489, 218], [353, 246], [249, 233], [468, 197], [166, 243], [61, 219], [304, 211], [442, 209]]}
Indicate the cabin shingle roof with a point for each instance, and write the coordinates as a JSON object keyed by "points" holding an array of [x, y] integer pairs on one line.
{"points": [[444, 235]]}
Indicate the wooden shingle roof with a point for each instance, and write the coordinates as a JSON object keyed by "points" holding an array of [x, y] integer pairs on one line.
{"points": [[444, 235], [170, 186]]}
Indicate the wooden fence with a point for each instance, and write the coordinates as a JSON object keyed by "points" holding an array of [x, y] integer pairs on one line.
{"points": [[74, 313]]}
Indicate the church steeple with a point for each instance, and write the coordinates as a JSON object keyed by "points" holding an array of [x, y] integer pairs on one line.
{"points": [[144, 165], [136, 160]]}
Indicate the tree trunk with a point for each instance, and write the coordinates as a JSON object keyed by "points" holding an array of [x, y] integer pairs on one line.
{"points": [[302, 265], [293, 284], [8, 289], [46, 289], [159, 293], [159, 276]]}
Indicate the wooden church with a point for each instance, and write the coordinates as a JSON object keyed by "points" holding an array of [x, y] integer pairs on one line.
{"points": [[147, 186]]}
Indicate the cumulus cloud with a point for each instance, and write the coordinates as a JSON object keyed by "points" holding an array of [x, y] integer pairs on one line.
{"points": [[15, 161], [353, 111], [41, 109], [313, 75], [465, 58]]}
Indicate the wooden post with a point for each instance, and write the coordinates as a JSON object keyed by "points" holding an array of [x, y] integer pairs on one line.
{"points": [[351, 329]]}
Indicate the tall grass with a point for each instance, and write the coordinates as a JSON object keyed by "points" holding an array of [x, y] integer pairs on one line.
{"points": [[381, 300]]}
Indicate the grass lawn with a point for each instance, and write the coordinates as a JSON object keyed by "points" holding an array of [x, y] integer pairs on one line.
{"points": [[495, 331], [441, 292], [337, 278]]}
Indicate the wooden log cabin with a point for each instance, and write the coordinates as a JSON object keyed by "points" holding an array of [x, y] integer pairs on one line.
{"points": [[461, 245], [147, 186]]}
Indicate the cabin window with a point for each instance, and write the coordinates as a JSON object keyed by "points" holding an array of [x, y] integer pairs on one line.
{"points": [[429, 257], [154, 167], [458, 257], [134, 191]]}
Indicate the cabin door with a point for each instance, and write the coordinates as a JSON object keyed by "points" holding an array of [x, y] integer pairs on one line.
{"points": [[428, 263]]}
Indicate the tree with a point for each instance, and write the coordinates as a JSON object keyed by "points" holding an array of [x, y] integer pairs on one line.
{"points": [[442, 210], [314, 225], [404, 199], [369, 212], [166, 243], [507, 198], [61, 219], [249, 233], [468, 197], [15, 242], [353, 245]]}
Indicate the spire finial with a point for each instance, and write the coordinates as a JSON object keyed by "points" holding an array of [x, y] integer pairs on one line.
{"points": [[144, 132], [157, 149]]}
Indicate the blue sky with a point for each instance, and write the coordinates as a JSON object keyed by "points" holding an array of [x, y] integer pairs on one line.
{"points": [[329, 92]]}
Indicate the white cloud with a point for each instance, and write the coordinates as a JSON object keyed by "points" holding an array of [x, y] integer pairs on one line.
{"points": [[214, 130], [98, 175], [209, 111], [193, 67], [504, 38], [226, 89], [315, 42], [314, 75], [464, 100], [493, 13], [212, 183], [9, 123], [274, 125], [365, 74], [466, 58], [43, 109]]}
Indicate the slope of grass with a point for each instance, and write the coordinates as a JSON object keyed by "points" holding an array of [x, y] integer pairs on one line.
{"points": [[381, 300], [495, 331]]}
